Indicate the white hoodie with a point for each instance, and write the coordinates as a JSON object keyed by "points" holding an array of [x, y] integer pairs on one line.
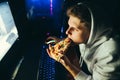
{"points": [[101, 53]]}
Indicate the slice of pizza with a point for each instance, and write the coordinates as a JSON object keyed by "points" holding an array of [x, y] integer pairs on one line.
{"points": [[61, 46]]}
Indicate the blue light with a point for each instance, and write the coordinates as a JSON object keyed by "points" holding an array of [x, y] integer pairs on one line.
{"points": [[35, 0], [51, 7], [39, 8]]}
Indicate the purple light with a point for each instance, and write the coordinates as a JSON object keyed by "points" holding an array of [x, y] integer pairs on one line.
{"points": [[51, 7]]}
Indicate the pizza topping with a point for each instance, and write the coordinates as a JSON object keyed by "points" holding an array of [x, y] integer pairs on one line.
{"points": [[62, 45]]}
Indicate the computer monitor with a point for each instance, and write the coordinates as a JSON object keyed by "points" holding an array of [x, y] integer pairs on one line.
{"points": [[8, 30]]}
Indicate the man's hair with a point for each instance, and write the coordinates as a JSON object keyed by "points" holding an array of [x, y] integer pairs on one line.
{"points": [[80, 11]]}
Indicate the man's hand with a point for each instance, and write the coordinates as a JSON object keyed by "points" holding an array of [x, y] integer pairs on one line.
{"points": [[69, 59], [52, 54]]}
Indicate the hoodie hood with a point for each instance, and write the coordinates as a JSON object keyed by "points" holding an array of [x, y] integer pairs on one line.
{"points": [[99, 33], [100, 25]]}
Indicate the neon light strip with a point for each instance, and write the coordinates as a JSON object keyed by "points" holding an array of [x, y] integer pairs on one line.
{"points": [[51, 7]]}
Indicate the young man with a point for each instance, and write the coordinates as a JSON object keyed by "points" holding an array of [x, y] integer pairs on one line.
{"points": [[98, 47]]}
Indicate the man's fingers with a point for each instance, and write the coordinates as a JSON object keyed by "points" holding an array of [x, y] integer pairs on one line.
{"points": [[48, 51], [50, 46], [60, 54], [57, 56]]}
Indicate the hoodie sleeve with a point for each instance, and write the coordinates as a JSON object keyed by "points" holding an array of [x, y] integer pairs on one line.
{"points": [[107, 66], [82, 76], [108, 71]]}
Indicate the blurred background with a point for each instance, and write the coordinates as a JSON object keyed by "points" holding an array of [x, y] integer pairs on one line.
{"points": [[35, 21]]}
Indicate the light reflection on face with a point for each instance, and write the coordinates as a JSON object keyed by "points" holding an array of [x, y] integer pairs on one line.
{"points": [[77, 31]]}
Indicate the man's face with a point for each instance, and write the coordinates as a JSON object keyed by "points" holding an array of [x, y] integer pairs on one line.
{"points": [[77, 31]]}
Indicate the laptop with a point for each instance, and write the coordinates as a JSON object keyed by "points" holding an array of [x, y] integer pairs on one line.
{"points": [[8, 30]]}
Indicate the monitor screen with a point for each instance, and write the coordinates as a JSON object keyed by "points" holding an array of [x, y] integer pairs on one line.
{"points": [[8, 30]]}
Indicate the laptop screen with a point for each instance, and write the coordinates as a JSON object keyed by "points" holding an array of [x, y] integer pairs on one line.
{"points": [[8, 30]]}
